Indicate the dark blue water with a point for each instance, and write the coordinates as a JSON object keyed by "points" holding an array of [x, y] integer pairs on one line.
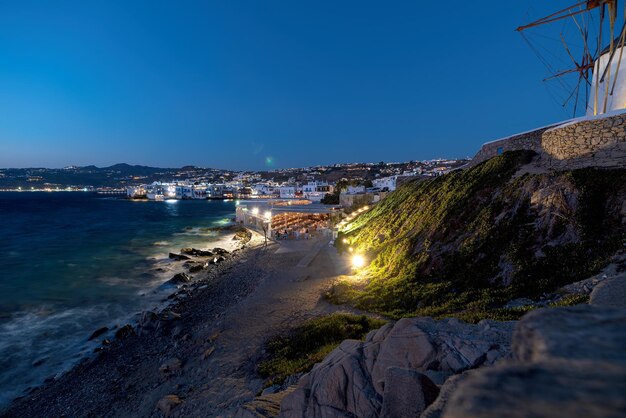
{"points": [[74, 262]]}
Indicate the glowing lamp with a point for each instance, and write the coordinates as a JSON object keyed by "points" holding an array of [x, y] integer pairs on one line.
{"points": [[350, 249], [255, 211], [358, 261], [268, 215], [345, 241]]}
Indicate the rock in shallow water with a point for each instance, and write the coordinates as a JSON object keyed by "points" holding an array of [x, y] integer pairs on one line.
{"points": [[178, 279], [126, 331], [196, 267], [97, 333], [178, 257], [196, 252]]}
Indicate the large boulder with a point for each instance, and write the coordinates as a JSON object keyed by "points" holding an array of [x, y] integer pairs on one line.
{"points": [[407, 393], [567, 362], [178, 279], [355, 378], [196, 252], [547, 389], [125, 332], [435, 410], [178, 257], [97, 333], [611, 293], [577, 333]]}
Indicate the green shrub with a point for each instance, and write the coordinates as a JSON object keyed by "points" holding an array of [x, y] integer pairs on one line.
{"points": [[571, 300], [303, 346]]}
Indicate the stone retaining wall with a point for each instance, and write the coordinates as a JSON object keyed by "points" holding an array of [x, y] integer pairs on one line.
{"points": [[528, 140], [597, 142]]}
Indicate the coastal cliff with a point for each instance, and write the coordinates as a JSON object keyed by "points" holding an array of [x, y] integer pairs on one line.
{"points": [[467, 243]]}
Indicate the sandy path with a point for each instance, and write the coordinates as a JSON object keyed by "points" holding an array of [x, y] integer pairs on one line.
{"points": [[290, 292], [218, 341]]}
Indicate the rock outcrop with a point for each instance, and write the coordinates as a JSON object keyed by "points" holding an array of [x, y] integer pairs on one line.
{"points": [[374, 378], [263, 406], [568, 362], [611, 291], [562, 362]]}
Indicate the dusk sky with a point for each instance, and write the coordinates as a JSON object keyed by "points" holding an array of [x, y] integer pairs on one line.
{"points": [[264, 84]]}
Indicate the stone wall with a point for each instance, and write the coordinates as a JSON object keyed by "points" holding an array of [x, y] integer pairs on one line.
{"points": [[597, 142], [527, 140], [600, 141]]}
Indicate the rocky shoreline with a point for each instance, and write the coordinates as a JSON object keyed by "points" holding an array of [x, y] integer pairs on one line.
{"points": [[118, 354], [198, 355]]}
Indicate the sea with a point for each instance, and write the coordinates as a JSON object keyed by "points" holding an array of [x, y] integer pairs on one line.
{"points": [[73, 262]]}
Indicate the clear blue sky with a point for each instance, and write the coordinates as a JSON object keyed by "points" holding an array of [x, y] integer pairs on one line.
{"points": [[230, 83]]}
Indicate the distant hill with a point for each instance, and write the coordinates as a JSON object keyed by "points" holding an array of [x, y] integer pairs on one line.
{"points": [[116, 176]]}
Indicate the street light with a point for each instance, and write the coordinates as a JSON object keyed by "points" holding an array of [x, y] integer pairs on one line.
{"points": [[358, 261]]}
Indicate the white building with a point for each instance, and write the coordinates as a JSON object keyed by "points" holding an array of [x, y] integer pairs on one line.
{"points": [[265, 189], [611, 87], [355, 189], [388, 183], [316, 190], [287, 192], [184, 191]]}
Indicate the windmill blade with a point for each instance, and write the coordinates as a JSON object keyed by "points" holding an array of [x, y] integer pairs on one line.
{"points": [[561, 14], [584, 34], [578, 69], [567, 12], [577, 91], [606, 67], [621, 51], [569, 53]]}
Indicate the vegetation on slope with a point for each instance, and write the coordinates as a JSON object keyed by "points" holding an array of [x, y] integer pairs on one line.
{"points": [[465, 243], [309, 343]]}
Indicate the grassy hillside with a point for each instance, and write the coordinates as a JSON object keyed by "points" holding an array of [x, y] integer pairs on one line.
{"points": [[465, 243]]}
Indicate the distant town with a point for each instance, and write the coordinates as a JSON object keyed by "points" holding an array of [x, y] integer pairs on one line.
{"points": [[317, 184]]}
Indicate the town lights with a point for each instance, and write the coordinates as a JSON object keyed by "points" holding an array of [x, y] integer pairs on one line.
{"points": [[255, 211], [358, 261]]}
